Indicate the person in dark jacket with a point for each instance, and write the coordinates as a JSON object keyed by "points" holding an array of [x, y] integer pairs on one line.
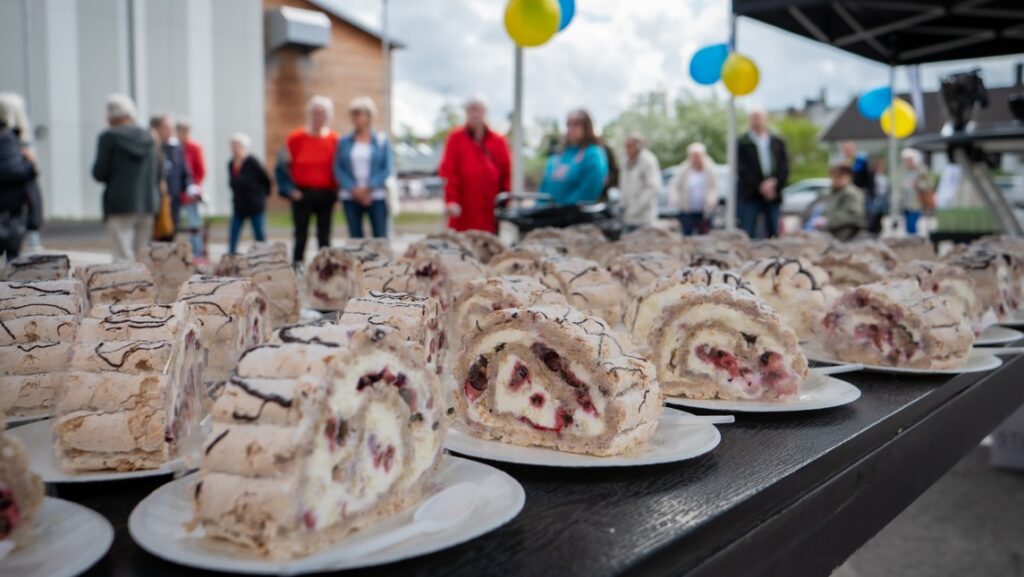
{"points": [[17, 175], [762, 168], [126, 162], [250, 187], [175, 170]]}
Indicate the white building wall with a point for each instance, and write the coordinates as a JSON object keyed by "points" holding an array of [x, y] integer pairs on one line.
{"points": [[198, 58]]}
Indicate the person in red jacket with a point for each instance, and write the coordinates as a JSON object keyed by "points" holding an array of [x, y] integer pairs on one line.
{"points": [[476, 168], [194, 194], [309, 154]]}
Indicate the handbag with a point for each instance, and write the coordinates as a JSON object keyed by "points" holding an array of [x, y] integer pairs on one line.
{"points": [[163, 227]]}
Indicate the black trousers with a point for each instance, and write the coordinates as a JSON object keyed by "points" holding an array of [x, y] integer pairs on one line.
{"points": [[313, 202]]}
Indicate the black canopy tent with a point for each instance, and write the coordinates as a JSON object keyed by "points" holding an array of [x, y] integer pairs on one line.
{"points": [[905, 32]]}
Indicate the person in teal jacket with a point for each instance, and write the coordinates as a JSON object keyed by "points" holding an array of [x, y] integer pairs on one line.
{"points": [[576, 174]]}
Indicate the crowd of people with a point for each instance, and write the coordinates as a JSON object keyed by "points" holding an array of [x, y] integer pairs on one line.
{"points": [[153, 179]]}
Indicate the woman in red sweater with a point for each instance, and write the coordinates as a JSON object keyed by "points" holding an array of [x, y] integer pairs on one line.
{"points": [[476, 168], [310, 156]]}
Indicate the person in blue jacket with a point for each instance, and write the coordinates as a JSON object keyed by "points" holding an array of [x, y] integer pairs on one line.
{"points": [[577, 173], [362, 165]]}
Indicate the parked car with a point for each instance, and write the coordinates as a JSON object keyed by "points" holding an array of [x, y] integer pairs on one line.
{"points": [[799, 195]]}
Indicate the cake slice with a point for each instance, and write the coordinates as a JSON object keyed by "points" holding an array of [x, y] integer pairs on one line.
{"points": [[552, 376], [480, 298], [170, 264], [311, 442], [121, 282], [21, 491], [637, 271], [390, 276], [38, 267], [993, 282], [644, 308], [336, 273], [485, 244], [911, 248], [235, 317], [133, 395], [441, 272], [951, 282], [268, 266], [799, 291], [715, 341], [416, 318], [522, 259], [895, 323], [586, 285]]}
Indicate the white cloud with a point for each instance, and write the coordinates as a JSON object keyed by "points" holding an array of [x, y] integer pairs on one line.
{"points": [[613, 50]]}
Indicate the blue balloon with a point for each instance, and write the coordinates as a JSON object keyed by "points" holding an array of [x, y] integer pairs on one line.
{"points": [[873, 103], [706, 64], [568, 11]]}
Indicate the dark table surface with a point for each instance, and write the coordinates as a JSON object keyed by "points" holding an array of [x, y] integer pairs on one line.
{"points": [[784, 494]]}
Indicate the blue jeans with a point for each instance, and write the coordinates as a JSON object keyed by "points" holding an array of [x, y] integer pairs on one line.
{"points": [[195, 226], [748, 213], [693, 222], [912, 216], [377, 211], [258, 221]]}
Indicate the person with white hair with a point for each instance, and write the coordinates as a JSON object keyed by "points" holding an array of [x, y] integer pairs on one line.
{"points": [[305, 175], [639, 184], [762, 169], [693, 190], [17, 175], [126, 162], [362, 165], [915, 188], [250, 187], [476, 168]]}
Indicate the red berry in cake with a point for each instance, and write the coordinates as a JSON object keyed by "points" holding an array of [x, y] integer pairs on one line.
{"points": [[10, 515], [537, 400], [309, 520], [520, 375], [476, 382]]}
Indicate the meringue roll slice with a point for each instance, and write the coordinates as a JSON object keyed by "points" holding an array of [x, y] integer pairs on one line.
{"points": [[36, 267], [117, 283], [586, 285], [21, 491], [522, 260], [417, 318], [895, 323], [717, 342], [553, 376], [637, 271], [442, 272], [336, 273], [310, 442], [993, 282], [269, 266], [133, 395], [951, 282], [235, 317], [799, 291], [170, 263], [38, 322]]}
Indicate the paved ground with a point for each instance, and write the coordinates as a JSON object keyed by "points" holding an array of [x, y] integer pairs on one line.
{"points": [[969, 524]]}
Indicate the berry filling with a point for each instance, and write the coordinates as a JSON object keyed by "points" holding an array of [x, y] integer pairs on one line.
{"points": [[520, 376], [562, 418], [553, 361], [383, 457], [10, 515], [770, 371], [309, 520], [476, 382], [537, 400], [336, 430]]}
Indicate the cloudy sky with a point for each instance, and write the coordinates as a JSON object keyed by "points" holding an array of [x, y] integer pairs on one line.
{"points": [[613, 50]]}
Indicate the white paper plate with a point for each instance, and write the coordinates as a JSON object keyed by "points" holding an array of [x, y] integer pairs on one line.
{"points": [[310, 316], [817, 392], [38, 440], [979, 361], [68, 539], [998, 335], [157, 525], [670, 443]]}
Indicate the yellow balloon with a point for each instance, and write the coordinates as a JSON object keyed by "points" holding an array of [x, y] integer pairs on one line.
{"points": [[532, 22], [740, 74], [906, 119]]}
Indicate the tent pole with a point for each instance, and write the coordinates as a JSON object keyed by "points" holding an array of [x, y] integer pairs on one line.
{"points": [[517, 126], [730, 144], [895, 189]]}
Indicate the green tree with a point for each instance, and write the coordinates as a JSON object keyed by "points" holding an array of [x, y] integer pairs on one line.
{"points": [[807, 157]]}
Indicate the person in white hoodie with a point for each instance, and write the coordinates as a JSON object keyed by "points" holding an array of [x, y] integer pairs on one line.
{"points": [[693, 190], [639, 183]]}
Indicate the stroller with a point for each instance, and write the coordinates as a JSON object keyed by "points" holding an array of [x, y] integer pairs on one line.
{"points": [[516, 210]]}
